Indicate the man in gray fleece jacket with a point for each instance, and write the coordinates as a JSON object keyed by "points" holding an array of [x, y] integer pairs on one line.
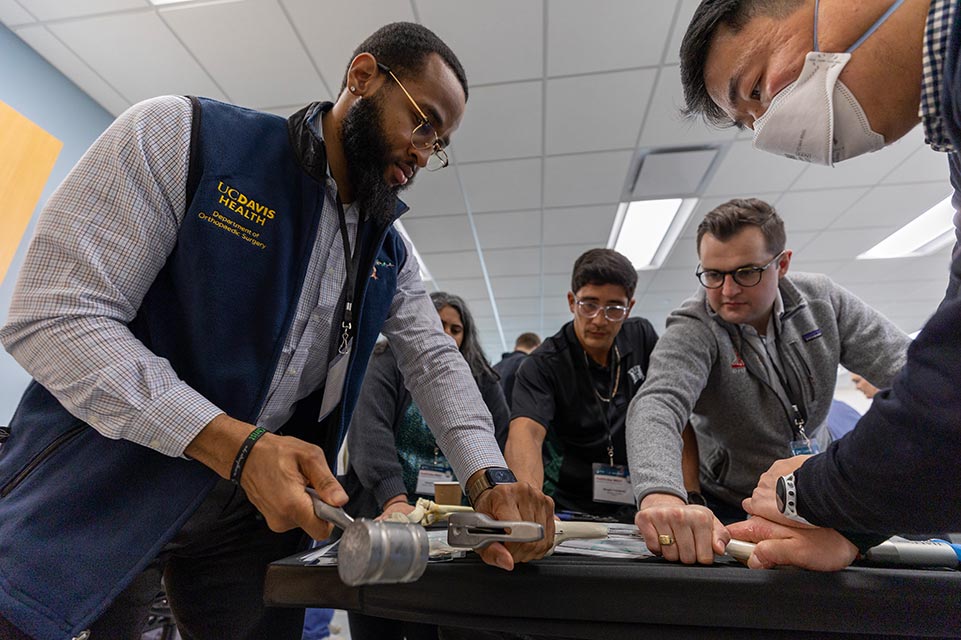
{"points": [[751, 360]]}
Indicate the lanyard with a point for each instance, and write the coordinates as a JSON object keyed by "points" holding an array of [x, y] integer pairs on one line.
{"points": [[604, 403], [352, 266], [795, 398]]}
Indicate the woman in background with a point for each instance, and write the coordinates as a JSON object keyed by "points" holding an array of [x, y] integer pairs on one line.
{"points": [[392, 456]]}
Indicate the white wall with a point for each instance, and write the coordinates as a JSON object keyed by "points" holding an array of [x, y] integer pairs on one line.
{"points": [[41, 93]]}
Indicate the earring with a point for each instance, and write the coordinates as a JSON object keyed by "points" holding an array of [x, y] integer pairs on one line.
{"points": [[353, 89]]}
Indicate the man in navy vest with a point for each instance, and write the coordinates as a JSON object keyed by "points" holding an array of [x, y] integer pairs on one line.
{"points": [[823, 84], [197, 309]]}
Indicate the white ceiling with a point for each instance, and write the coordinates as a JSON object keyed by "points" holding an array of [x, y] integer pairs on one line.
{"points": [[563, 95]]}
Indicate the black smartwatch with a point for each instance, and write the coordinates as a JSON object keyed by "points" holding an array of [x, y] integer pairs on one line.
{"points": [[785, 495], [491, 477]]}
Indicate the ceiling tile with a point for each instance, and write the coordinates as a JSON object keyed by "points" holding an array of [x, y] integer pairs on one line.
{"points": [[472, 289], [815, 210], [923, 165], [515, 53], [139, 73], [596, 112], [893, 205], [513, 262], [844, 243], [275, 72], [343, 30], [434, 193], [589, 225], [558, 283], [440, 235], [612, 34], [744, 171], [672, 280], [12, 14], [665, 126], [863, 170], [559, 259], [57, 9], [452, 264], [684, 16], [933, 266], [515, 287], [501, 121], [54, 52], [509, 185], [508, 230], [590, 178]]}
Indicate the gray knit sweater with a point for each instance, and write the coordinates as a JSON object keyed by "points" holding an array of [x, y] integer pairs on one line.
{"points": [[741, 416]]}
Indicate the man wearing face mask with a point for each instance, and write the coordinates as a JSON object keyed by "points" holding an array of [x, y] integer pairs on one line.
{"points": [[889, 65], [198, 308], [753, 356]]}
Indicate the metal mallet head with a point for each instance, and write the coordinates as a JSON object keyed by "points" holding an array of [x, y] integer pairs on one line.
{"points": [[373, 552]]}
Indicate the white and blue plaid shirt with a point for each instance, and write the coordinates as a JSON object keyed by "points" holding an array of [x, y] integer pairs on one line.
{"points": [[940, 18]]}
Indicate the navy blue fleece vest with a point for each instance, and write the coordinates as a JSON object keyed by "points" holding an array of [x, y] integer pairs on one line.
{"points": [[81, 515]]}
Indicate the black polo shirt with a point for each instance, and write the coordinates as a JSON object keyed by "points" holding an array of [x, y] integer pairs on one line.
{"points": [[555, 387]]}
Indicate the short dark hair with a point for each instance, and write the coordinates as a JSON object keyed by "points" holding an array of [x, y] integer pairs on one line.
{"points": [[604, 266], [725, 221], [470, 346], [404, 47], [696, 47], [528, 340]]}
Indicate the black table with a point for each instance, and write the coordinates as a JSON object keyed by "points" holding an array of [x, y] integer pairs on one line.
{"points": [[582, 597]]}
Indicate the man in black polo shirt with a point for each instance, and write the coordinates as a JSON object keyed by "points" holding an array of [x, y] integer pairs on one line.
{"points": [[571, 395]]}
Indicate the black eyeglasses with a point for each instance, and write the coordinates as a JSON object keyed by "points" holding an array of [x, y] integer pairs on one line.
{"points": [[588, 309], [744, 276], [424, 136]]}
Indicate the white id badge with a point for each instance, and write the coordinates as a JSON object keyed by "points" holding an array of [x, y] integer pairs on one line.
{"points": [[429, 474], [612, 484], [334, 386]]}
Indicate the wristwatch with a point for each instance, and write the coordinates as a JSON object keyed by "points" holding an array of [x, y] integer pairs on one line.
{"points": [[492, 476], [786, 496]]}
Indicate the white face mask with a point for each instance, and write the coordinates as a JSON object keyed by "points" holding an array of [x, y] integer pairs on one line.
{"points": [[816, 118]]}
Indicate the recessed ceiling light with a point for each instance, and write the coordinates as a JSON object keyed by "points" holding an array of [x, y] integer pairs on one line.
{"points": [[930, 231], [645, 230]]}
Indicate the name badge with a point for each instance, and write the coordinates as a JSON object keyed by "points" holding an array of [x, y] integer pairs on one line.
{"points": [[429, 474], [334, 386], [612, 484], [805, 447]]}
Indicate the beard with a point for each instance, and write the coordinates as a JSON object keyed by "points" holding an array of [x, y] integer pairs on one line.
{"points": [[368, 157]]}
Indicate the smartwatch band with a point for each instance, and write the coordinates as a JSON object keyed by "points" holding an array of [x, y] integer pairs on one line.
{"points": [[789, 507]]}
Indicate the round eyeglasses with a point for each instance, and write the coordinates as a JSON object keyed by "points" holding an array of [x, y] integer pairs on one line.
{"points": [[588, 309], [744, 276], [424, 136]]}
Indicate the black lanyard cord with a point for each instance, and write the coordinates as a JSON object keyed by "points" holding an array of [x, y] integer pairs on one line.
{"points": [[604, 403], [351, 266]]}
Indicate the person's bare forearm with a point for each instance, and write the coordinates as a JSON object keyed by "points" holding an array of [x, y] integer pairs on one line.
{"points": [[523, 452]]}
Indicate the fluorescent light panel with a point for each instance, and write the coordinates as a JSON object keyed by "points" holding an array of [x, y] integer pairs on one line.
{"points": [[932, 230], [163, 2], [645, 230]]}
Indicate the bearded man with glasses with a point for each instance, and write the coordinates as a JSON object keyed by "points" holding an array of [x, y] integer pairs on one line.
{"points": [[751, 361], [571, 395]]}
